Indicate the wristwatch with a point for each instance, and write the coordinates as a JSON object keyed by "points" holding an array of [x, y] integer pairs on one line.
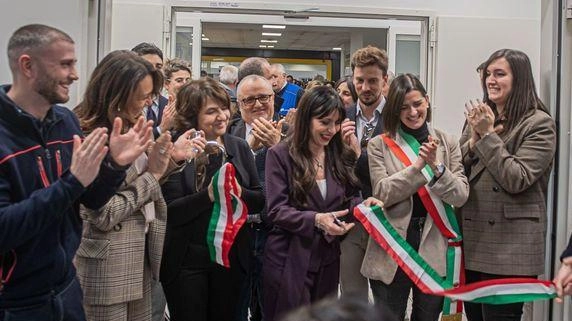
{"points": [[439, 170]]}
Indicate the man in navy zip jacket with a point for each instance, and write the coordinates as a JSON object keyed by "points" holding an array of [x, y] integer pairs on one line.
{"points": [[46, 171]]}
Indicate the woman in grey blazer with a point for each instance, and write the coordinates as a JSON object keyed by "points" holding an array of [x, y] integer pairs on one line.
{"points": [[407, 113], [508, 148]]}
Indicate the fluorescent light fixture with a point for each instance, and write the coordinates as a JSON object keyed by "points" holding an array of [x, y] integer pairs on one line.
{"points": [[337, 48], [205, 39], [273, 27], [268, 41], [270, 47], [272, 34], [262, 46], [203, 35]]}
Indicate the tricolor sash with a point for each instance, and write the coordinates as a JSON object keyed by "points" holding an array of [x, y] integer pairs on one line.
{"points": [[406, 148], [228, 215]]}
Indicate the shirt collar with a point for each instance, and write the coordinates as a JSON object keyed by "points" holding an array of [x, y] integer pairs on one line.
{"points": [[377, 109]]}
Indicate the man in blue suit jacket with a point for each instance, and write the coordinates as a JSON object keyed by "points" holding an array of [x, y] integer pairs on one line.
{"points": [[154, 55]]}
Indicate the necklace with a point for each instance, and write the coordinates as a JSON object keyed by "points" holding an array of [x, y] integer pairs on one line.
{"points": [[319, 164]]}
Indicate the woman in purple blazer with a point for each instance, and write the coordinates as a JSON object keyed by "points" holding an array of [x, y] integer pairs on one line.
{"points": [[310, 182]]}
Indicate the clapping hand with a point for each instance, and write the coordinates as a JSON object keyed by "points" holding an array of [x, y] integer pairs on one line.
{"points": [[87, 156], [159, 155], [428, 152], [125, 148], [266, 132], [480, 117], [168, 115], [188, 145], [348, 129]]}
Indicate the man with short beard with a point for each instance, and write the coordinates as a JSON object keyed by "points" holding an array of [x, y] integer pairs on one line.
{"points": [[46, 172], [369, 66]]}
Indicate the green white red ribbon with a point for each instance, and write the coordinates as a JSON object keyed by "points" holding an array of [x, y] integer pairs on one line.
{"points": [[406, 148], [228, 215], [499, 291]]}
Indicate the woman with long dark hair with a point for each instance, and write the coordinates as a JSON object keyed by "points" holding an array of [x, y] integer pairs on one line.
{"points": [[310, 185], [508, 148]]}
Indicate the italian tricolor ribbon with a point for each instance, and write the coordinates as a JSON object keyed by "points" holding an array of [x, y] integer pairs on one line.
{"points": [[228, 215], [406, 148]]}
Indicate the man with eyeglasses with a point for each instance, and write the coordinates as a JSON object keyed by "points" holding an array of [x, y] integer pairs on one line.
{"points": [[259, 125], [369, 67]]}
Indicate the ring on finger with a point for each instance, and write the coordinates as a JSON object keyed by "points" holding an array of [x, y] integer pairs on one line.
{"points": [[162, 151]]}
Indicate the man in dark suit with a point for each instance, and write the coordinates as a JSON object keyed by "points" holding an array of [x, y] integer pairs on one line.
{"points": [[369, 67], [258, 126], [162, 119]]}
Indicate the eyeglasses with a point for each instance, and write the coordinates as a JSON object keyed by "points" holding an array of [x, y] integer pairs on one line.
{"points": [[366, 134], [250, 101]]}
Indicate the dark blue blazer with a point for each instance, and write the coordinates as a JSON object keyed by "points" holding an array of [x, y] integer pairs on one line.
{"points": [[362, 166], [162, 103]]}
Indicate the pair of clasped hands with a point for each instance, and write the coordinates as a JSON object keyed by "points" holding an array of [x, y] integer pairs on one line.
{"points": [[125, 148], [330, 223], [481, 119]]}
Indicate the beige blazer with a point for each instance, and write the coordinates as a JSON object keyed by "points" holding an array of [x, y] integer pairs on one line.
{"points": [[394, 184], [504, 219], [115, 250]]}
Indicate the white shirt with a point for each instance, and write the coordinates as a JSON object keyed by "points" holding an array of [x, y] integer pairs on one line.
{"points": [[361, 120]]}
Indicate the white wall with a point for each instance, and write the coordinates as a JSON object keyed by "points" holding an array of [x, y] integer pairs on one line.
{"points": [[68, 15], [462, 44], [467, 32], [133, 23]]}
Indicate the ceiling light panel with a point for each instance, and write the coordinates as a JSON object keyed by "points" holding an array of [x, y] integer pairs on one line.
{"points": [[272, 34], [268, 41], [273, 27]]}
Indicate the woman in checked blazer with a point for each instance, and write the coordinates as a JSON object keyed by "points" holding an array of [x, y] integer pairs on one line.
{"points": [[122, 242], [508, 148]]}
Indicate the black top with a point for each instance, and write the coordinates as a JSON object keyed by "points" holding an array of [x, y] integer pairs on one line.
{"points": [[189, 212], [421, 135]]}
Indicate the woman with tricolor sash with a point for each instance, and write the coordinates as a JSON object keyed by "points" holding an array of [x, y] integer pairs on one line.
{"points": [[508, 148], [198, 286], [416, 172], [310, 188]]}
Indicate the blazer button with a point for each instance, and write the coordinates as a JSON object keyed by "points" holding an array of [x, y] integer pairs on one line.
{"points": [[496, 189], [117, 227], [492, 222]]}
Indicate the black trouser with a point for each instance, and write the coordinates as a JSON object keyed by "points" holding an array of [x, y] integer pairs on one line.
{"points": [[491, 312], [208, 294], [392, 298]]}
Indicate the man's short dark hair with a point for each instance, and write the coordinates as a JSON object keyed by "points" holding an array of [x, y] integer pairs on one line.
{"points": [[252, 66], [146, 48], [30, 38], [370, 56]]}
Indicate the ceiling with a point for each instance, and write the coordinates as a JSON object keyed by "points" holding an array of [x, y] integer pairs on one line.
{"points": [[239, 35]]}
